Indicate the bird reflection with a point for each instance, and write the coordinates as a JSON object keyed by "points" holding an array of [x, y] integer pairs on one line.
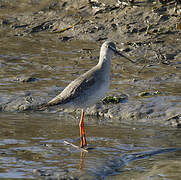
{"points": [[82, 159]]}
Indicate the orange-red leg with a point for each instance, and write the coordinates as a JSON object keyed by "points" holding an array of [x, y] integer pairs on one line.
{"points": [[82, 131]]}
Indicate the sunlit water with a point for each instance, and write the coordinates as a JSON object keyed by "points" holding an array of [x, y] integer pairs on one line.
{"points": [[33, 145]]}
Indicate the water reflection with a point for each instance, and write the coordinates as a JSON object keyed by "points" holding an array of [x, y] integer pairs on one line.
{"points": [[82, 159], [35, 143]]}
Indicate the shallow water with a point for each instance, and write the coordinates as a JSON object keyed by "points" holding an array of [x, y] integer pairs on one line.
{"points": [[54, 64], [32, 144], [32, 147]]}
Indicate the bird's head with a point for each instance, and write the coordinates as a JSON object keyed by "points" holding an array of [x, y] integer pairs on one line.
{"points": [[109, 47]]}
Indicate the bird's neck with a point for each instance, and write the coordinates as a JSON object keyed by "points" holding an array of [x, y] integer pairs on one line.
{"points": [[105, 62]]}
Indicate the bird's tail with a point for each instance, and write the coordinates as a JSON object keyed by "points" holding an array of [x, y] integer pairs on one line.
{"points": [[43, 106], [53, 102]]}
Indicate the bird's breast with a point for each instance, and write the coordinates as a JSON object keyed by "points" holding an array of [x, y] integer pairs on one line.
{"points": [[92, 95]]}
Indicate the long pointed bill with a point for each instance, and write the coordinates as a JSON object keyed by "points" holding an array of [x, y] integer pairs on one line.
{"points": [[120, 54]]}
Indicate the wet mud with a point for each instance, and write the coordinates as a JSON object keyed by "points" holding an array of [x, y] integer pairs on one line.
{"points": [[44, 45], [147, 32]]}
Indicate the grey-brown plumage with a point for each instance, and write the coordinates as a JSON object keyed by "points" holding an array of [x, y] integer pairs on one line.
{"points": [[91, 86], [88, 88]]}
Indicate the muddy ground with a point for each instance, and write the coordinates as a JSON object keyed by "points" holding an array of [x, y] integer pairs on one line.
{"points": [[147, 31]]}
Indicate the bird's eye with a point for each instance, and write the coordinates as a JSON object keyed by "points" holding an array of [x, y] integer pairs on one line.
{"points": [[110, 47]]}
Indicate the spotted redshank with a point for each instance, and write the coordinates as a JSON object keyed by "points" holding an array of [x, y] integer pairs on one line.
{"points": [[88, 88]]}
